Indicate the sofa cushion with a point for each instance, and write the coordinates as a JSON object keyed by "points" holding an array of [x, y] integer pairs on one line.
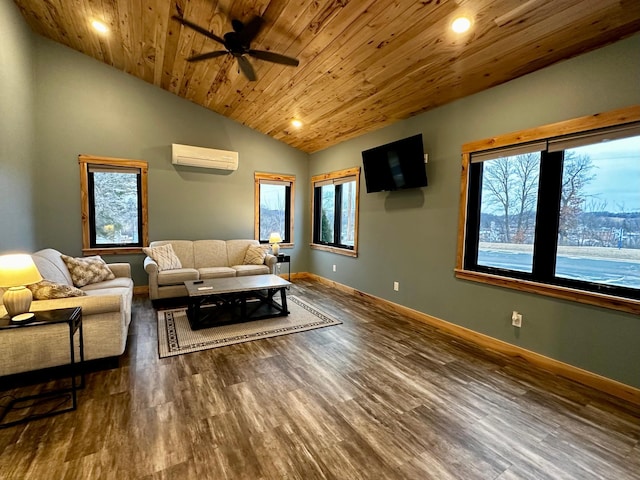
{"points": [[164, 256], [210, 253], [47, 290], [182, 248], [87, 270], [216, 272], [118, 282], [179, 275], [242, 270], [51, 266], [237, 249], [255, 255]]}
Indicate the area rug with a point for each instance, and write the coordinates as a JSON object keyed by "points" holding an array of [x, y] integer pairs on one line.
{"points": [[175, 336]]}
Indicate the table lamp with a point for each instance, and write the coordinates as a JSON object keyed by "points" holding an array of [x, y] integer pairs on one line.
{"points": [[16, 271], [274, 240]]}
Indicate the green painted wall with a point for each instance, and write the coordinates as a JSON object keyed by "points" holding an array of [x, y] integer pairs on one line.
{"points": [[73, 104], [410, 236], [86, 107], [17, 131]]}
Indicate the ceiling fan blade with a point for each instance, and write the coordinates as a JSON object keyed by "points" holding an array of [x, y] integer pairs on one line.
{"points": [[198, 29], [246, 68], [250, 29], [206, 56], [274, 57]]}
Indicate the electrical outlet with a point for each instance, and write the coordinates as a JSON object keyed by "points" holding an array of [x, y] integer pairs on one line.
{"points": [[516, 319], [396, 286], [334, 268]]}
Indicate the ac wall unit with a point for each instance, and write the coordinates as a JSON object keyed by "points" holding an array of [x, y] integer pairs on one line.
{"points": [[203, 157]]}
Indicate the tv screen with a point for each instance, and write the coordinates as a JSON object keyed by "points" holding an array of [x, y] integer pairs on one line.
{"points": [[395, 166]]}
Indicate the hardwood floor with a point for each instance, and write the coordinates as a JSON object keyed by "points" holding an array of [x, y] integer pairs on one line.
{"points": [[378, 397]]}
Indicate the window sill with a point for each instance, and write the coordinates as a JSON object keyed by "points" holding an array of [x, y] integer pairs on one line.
{"points": [[340, 251], [580, 296], [282, 245], [111, 251]]}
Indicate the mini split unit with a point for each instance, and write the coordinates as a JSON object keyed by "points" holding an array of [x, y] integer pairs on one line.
{"points": [[203, 157]]}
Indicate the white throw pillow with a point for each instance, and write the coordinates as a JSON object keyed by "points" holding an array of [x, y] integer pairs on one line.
{"points": [[87, 270], [164, 256]]}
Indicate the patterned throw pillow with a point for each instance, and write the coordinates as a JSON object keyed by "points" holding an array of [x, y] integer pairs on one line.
{"points": [[164, 256], [255, 255], [87, 270], [46, 290]]}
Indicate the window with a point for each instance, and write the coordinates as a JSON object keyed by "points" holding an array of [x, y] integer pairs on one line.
{"points": [[335, 211], [557, 215], [114, 205], [274, 196]]}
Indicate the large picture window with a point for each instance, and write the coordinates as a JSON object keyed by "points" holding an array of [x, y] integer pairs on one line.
{"points": [[335, 211], [558, 215], [274, 194], [114, 205]]}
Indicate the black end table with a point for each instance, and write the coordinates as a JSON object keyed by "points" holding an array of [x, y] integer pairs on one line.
{"points": [[285, 259], [73, 318]]}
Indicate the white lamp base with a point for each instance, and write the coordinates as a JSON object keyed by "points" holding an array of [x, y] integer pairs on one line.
{"points": [[17, 300], [275, 248]]}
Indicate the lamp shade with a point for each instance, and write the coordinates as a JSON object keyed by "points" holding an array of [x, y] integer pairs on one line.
{"points": [[275, 238], [18, 270]]}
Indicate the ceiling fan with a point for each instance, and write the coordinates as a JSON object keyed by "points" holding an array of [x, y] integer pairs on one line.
{"points": [[238, 44]]}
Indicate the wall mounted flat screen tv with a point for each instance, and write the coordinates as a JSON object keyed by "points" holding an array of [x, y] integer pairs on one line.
{"points": [[395, 166]]}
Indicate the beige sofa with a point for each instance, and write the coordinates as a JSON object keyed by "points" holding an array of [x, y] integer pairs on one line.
{"points": [[202, 259], [106, 315]]}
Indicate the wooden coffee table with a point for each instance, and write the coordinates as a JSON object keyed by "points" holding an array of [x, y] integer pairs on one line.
{"points": [[219, 301]]}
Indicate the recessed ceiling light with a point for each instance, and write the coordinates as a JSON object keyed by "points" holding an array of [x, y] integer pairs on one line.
{"points": [[461, 24], [99, 26], [296, 123]]}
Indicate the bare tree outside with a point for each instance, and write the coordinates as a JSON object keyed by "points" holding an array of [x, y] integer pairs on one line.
{"points": [[598, 238], [577, 173], [510, 193], [272, 210], [526, 171]]}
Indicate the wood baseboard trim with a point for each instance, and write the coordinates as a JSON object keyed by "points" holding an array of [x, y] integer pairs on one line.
{"points": [[576, 374], [141, 290]]}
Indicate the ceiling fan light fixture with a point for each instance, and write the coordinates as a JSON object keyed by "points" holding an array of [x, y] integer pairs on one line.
{"points": [[99, 26], [296, 123], [238, 44], [461, 24]]}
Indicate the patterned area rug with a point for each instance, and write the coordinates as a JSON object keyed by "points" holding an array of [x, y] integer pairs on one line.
{"points": [[175, 336]]}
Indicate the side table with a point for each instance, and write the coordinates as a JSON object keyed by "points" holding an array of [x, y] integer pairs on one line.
{"points": [[73, 318], [284, 259]]}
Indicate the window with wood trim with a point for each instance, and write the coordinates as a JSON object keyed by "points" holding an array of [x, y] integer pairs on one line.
{"points": [[274, 200], [334, 209], [557, 212], [114, 205]]}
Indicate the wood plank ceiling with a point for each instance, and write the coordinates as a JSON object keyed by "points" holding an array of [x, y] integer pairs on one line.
{"points": [[364, 64]]}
